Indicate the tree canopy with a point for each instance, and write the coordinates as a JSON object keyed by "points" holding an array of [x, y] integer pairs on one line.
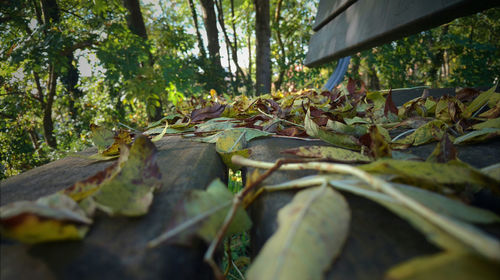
{"points": [[67, 64]]}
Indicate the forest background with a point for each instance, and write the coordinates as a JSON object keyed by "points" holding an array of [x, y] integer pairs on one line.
{"points": [[65, 64]]}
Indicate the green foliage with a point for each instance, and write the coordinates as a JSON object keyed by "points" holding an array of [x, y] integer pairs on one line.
{"points": [[462, 53], [131, 77]]}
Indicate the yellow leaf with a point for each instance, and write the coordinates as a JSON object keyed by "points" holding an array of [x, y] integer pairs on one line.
{"points": [[311, 232], [479, 101], [130, 191], [431, 175], [336, 139], [446, 265], [493, 123], [329, 153], [229, 143], [50, 218]]}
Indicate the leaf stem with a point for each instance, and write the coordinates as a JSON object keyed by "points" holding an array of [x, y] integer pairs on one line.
{"points": [[482, 243]]}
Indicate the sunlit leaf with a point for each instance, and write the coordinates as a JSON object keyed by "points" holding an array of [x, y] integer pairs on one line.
{"points": [[50, 218], [123, 137], [232, 142], [85, 188], [159, 130], [216, 124], [446, 265], [130, 191], [329, 153], [250, 134], [202, 213], [160, 136], [312, 229]]}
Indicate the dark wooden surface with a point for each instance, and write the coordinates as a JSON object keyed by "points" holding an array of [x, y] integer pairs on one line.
{"points": [[378, 239], [368, 23], [114, 248], [327, 10]]}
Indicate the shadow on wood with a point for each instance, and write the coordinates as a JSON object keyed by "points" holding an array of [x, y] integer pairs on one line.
{"points": [[115, 247]]}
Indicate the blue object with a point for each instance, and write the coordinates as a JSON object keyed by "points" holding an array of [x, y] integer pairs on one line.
{"points": [[338, 74]]}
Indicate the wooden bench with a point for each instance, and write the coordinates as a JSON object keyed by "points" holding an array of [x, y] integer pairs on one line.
{"points": [[378, 239], [344, 27], [115, 248]]}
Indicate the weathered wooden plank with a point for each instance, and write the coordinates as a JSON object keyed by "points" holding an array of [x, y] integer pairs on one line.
{"points": [[115, 248], [366, 24], [378, 239], [327, 10]]}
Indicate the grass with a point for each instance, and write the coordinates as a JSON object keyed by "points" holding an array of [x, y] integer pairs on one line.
{"points": [[239, 243]]}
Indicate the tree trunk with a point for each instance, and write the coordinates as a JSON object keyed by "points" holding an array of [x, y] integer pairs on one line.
{"points": [[50, 13], [48, 125], [210, 21], [263, 47], [282, 61], [70, 80], [215, 71], [135, 23], [198, 34]]}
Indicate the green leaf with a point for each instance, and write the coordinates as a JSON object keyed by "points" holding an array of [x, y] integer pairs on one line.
{"points": [[102, 137], [130, 191], [221, 123], [159, 130], [426, 133], [446, 206], [230, 143], [432, 232], [50, 218], [477, 136], [160, 136], [336, 139], [446, 265], [329, 153], [250, 133], [355, 130], [202, 213], [493, 123], [431, 175], [356, 120], [479, 101], [312, 229], [493, 171]]}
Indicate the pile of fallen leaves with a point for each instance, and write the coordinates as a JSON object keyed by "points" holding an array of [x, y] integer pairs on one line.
{"points": [[367, 134]]}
